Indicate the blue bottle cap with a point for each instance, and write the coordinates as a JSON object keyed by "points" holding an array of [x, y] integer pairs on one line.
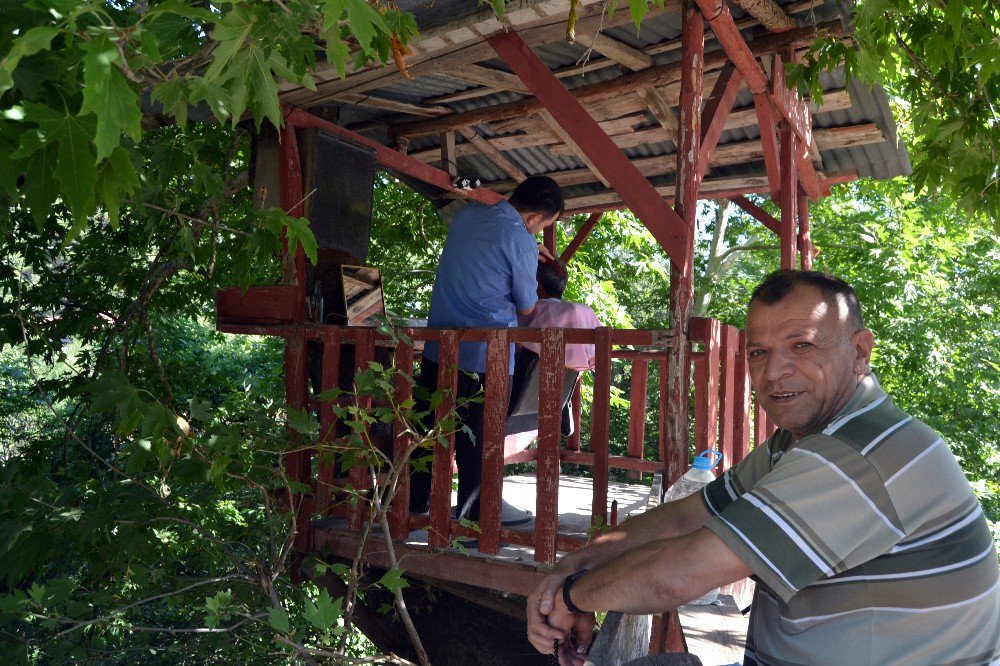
{"points": [[707, 459]]}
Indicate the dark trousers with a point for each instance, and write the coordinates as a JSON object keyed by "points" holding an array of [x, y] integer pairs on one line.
{"points": [[468, 448]]}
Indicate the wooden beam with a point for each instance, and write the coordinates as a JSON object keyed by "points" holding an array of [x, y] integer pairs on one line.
{"points": [[449, 157], [580, 236], [720, 102], [621, 53], [391, 105], [660, 107], [768, 13], [794, 110], [758, 214], [604, 90], [487, 149], [661, 221], [768, 142], [484, 76], [789, 196], [573, 146], [390, 158]]}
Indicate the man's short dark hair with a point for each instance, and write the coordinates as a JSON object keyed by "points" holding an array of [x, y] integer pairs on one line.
{"points": [[780, 283], [552, 277], [538, 194]]}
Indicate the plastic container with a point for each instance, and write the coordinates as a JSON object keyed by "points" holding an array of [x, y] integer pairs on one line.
{"points": [[694, 480]]}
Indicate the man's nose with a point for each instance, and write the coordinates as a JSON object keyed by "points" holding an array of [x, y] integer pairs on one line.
{"points": [[777, 365]]}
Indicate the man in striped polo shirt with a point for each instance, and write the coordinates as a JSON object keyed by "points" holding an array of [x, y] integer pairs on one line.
{"points": [[863, 534]]}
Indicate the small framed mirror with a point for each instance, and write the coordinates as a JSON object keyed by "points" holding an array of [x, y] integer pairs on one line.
{"points": [[362, 294]]}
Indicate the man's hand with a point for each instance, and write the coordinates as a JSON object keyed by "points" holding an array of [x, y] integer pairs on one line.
{"points": [[549, 621], [543, 254]]}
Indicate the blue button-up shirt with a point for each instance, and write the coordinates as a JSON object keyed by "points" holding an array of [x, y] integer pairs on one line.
{"points": [[486, 274]]}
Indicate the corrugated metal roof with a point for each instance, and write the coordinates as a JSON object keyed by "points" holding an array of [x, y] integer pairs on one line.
{"points": [[441, 23]]}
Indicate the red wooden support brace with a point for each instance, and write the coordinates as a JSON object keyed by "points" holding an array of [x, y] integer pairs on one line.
{"points": [[392, 159], [399, 510], [729, 406], [717, 109], [297, 463], [706, 380], [624, 177], [494, 424], [580, 236], [789, 198], [637, 412], [662, 441], [600, 421], [330, 373], [440, 518], [550, 382], [741, 435], [364, 354], [769, 142], [291, 197], [758, 213], [549, 239]]}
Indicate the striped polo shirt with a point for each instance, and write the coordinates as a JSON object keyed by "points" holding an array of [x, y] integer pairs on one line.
{"points": [[867, 543]]}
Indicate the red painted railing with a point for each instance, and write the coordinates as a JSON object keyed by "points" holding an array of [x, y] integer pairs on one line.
{"points": [[721, 420]]}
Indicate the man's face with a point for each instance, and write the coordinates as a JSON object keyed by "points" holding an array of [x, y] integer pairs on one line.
{"points": [[805, 358], [535, 222]]}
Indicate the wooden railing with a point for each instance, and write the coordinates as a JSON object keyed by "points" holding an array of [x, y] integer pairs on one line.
{"points": [[721, 420]]}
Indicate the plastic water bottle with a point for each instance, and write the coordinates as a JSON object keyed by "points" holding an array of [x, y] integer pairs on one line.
{"points": [[694, 480]]}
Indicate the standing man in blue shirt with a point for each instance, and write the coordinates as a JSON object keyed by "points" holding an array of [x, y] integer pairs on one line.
{"points": [[486, 277]]}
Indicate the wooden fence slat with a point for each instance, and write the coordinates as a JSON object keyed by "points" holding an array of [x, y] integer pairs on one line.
{"points": [[440, 518], [298, 463], [576, 407], [550, 381], [494, 424], [600, 422], [327, 419], [741, 432], [637, 412], [729, 341], [364, 354], [399, 510]]}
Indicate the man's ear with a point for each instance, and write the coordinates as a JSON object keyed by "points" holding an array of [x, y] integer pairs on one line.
{"points": [[862, 342]]}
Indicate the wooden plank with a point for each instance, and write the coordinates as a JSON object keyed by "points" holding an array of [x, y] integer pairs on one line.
{"points": [[729, 407], [717, 108], [449, 158], [399, 511], [661, 109], [769, 143], [327, 418], [494, 423], [638, 389], [440, 516], [550, 380], [572, 145], [620, 52], [717, 187], [485, 76], [487, 149], [741, 433], [600, 421], [806, 248], [662, 222], [364, 354], [788, 200], [363, 99]]}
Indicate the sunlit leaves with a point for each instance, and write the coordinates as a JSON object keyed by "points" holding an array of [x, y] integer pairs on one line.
{"points": [[109, 96]]}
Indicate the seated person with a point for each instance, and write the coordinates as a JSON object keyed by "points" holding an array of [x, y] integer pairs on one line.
{"points": [[553, 312]]}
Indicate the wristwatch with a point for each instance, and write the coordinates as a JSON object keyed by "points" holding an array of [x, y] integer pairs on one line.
{"points": [[567, 586]]}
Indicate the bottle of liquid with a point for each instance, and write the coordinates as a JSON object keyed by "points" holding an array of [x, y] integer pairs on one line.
{"points": [[694, 480]]}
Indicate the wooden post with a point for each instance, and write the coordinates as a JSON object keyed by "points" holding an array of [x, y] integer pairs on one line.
{"points": [[805, 239], [637, 413], [729, 407], [706, 381], [741, 435], [789, 197], [550, 379], [681, 281], [600, 421], [327, 418], [494, 422], [364, 354], [440, 518], [549, 239], [399, 512]]}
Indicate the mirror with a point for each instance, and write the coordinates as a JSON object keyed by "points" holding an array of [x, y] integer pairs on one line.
{"points": [[362, 294]]}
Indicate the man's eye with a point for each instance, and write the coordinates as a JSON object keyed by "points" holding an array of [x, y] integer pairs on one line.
{"points": [[756, 353], [803, 345]]}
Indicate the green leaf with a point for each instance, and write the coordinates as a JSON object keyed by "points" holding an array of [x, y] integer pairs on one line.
{"points": [[108, 95], [393, 580], [324, 612], [278, 619], [302, 421], [638, 9], [31, 42], [174, 96]]}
